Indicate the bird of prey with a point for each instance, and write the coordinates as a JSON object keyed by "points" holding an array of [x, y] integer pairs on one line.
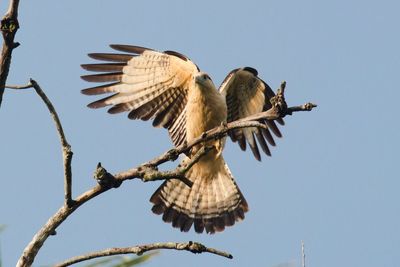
{"points": [[168, 88]]}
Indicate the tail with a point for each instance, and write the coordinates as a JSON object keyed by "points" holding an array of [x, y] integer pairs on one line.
{"points": [[213, 202]]}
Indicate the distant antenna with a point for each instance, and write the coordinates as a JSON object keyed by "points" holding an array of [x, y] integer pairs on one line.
{"points": [[303, 255]]}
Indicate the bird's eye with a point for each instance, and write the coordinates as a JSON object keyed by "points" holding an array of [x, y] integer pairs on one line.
{"points": [[205, 77]]}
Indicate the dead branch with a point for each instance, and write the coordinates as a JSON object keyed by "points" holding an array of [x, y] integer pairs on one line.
{"points": [[66, 148], [8, 26], [147, 171], [193, 247]]}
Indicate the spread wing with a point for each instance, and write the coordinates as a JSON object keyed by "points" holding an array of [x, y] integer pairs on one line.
{"points": [[247, 94], [146, 83]]}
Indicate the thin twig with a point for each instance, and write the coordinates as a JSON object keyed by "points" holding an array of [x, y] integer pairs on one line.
{"points": [[215, 133], [178, 173], [8, 26], [66, 148], [193, 247], [148, 172], [19, 87]]}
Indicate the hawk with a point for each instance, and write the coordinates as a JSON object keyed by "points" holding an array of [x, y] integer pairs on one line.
{"points": [[168, 88]]}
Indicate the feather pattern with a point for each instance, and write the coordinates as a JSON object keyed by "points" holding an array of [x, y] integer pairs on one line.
{"points": [[169, 89], [146, 83], [212, 203], [246, 94]]}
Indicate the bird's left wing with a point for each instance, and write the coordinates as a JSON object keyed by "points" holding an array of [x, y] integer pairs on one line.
{"points": [[146, 83], [246, 94]]}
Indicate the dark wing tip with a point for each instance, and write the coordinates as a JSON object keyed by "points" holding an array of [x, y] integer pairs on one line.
{"points": [[85, 77], [177, 54], [158, 209], [96, 104], [251, 70], [103, 77], [101, 102], [130, 48], [111, 57], [254, 148], [181, 56], [85, 66], [98, 90], [118, 108], [104, 67], [272, 126], [87, 91]]}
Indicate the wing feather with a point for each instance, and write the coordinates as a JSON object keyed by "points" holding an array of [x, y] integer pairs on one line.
{"points": [[177, 129], [146, 83], [111, 57], [247, 94], [103, 77], [130, 48], [105, 67]]}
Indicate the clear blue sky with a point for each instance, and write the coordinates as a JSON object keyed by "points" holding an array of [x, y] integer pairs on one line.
{"points": [[333, 180]]}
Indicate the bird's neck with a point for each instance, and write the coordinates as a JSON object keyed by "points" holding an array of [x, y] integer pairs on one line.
{"points": [[206, 109]]}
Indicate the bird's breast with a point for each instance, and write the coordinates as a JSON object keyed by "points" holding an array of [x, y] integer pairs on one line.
{"points": [[205, 110]]}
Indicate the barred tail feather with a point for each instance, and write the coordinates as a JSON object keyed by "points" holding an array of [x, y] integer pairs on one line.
{"points": [[212, 203]]}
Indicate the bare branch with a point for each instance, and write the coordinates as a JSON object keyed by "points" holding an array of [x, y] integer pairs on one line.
{"points": [[8, 26], [106, 182], [193, 247], [13, 9], [305, 107], [66, 148], [19, 87], [50, 226], [148, 171]]}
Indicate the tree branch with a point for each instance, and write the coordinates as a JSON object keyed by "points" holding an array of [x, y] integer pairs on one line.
{"points": [[106, 182], [8, 26], [147, 171], [193, 247], [66, 148], [278, 110]]}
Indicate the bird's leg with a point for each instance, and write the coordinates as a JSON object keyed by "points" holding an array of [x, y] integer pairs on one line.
{"points": [[219, 146]]}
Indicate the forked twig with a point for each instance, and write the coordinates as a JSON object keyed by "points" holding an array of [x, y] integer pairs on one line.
{"points": [[66, 148]]}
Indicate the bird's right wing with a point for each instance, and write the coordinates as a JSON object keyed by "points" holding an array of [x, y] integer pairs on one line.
{"points": [[146, 83]]}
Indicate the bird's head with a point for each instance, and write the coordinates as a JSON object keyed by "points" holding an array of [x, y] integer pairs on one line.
{"points": [[203, 80]]}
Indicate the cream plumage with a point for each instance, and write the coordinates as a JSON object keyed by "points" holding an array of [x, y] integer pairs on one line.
{"points": [[171, 90]]}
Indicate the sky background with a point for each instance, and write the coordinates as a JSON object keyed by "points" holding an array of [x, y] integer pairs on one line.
{"points": [[333, 179]]}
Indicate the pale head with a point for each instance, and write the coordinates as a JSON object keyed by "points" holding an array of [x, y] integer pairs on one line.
{"points": [[203, 80]]}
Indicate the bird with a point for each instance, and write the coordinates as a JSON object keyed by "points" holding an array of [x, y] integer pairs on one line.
{"points": [[171, 90]]}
